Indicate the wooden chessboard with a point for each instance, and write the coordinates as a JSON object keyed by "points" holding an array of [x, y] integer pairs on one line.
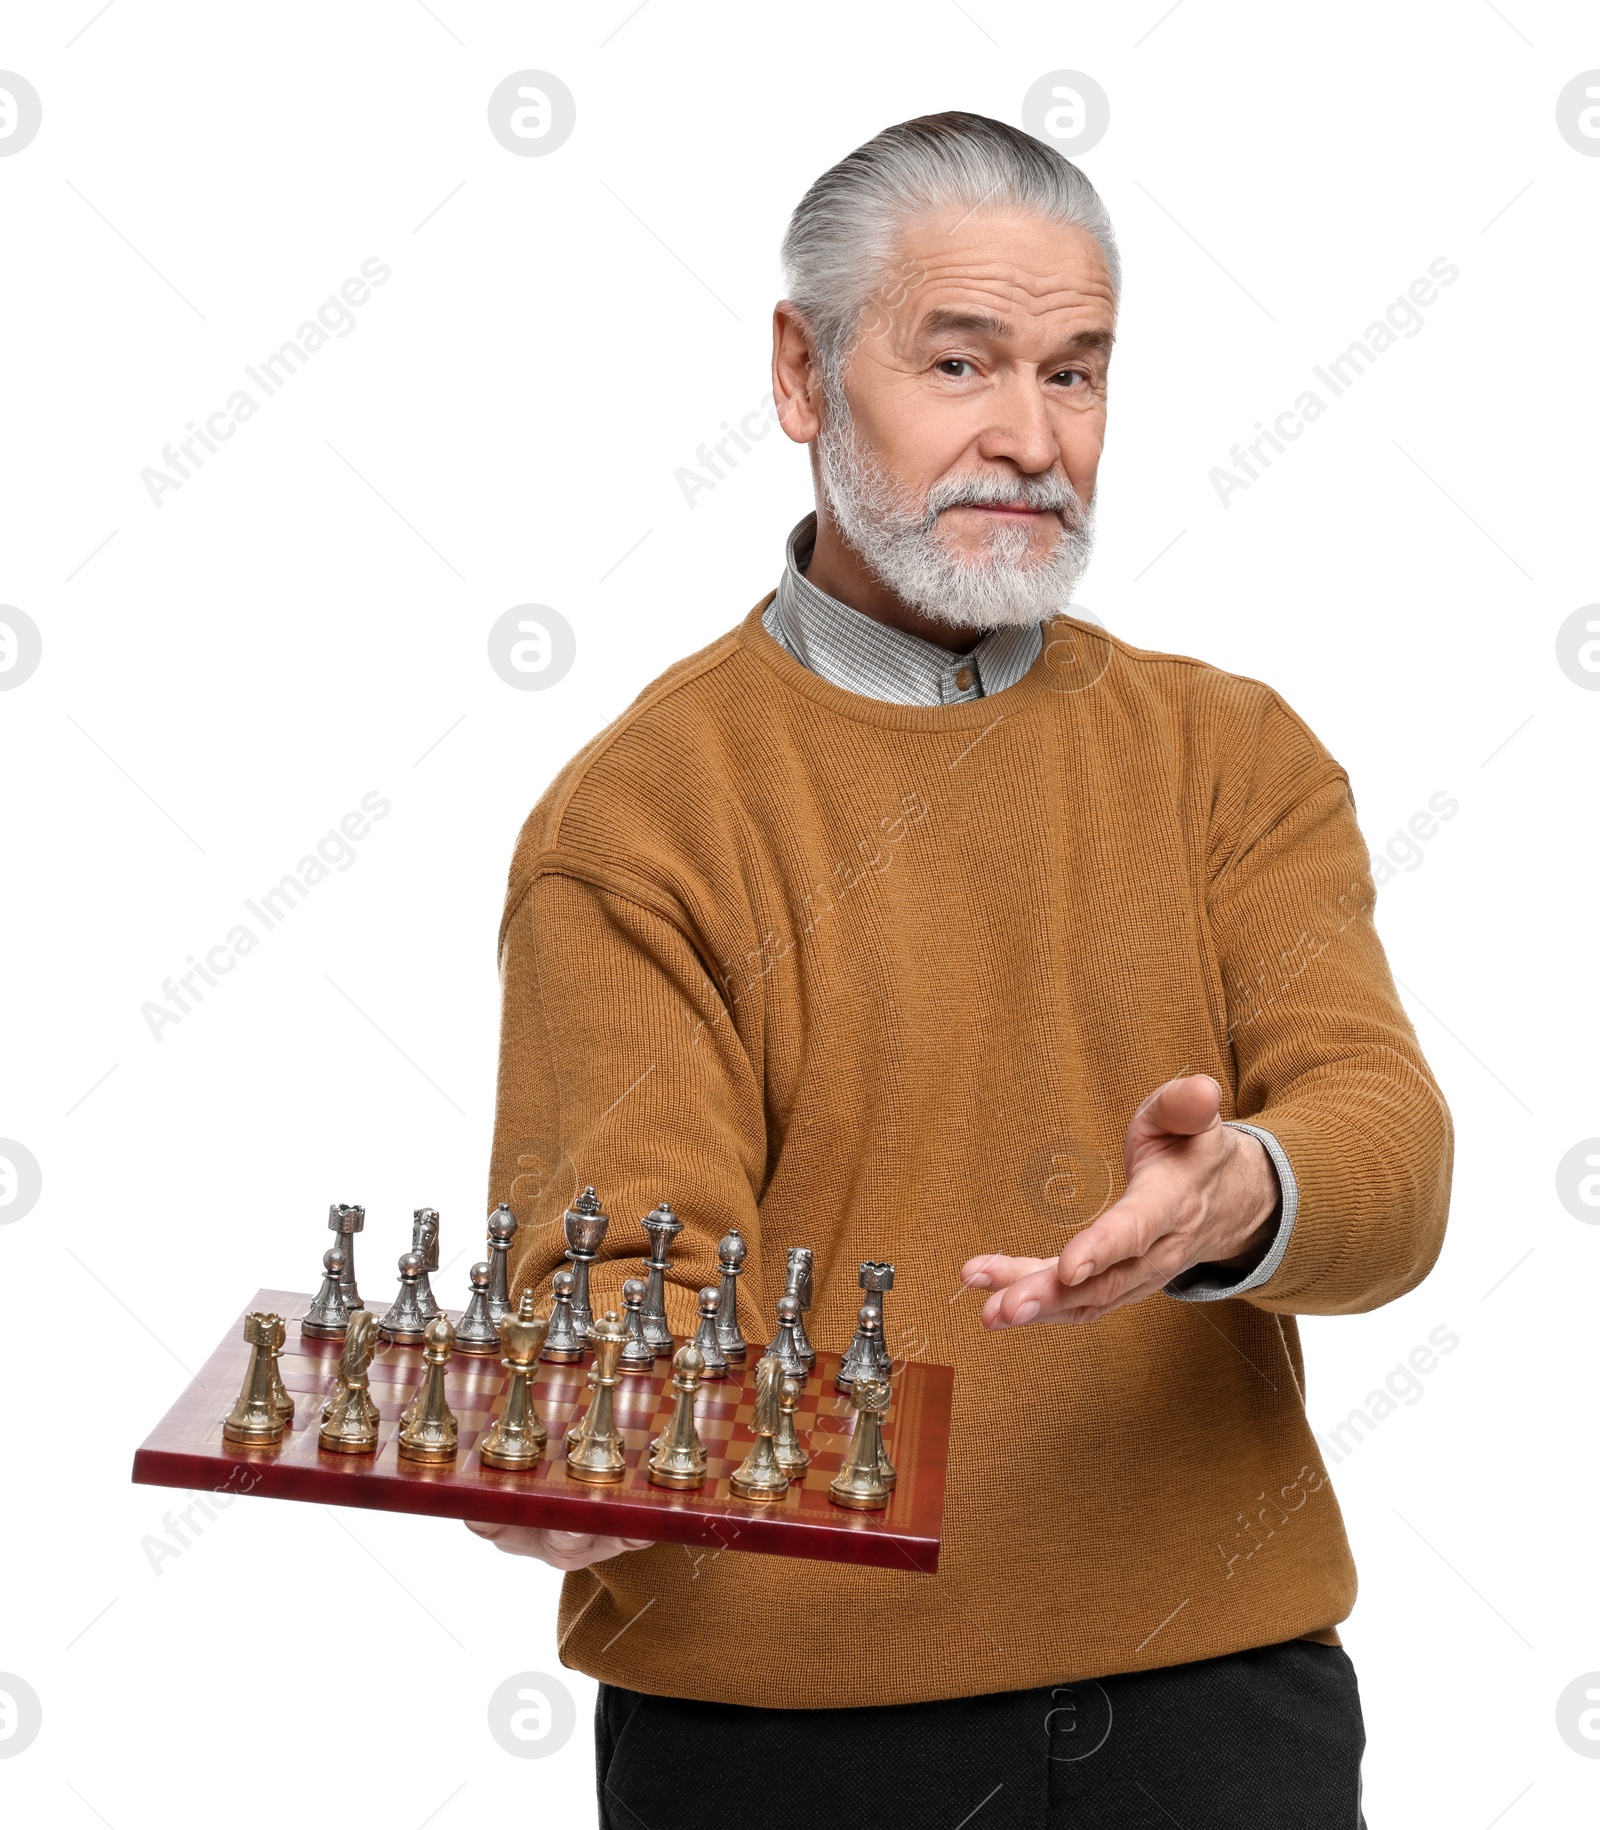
{"points": [[186, 1449]]}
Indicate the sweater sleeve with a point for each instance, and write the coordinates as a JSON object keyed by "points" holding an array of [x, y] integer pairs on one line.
{"points": [[1326, 1060], [620, 1066]]}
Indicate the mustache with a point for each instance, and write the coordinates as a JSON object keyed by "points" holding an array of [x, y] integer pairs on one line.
{"points": [[1049, 494]]}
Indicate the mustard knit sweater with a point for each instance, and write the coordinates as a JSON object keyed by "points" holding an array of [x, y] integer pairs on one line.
{"points": [[889, 982]]}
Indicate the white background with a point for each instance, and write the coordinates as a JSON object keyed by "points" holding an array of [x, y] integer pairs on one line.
{"points": [[305, 620]]}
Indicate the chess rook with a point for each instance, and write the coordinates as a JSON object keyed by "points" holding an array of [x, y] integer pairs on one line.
{"points": [[403, 1321], [783, 1343], [346, 1222], [663, 1226], [477, 1334], [429, 1432], [425, 1242], [517, 1437], [255, 1418], [860, 1484], [350, 1420], [585, 1226], [714, 1360], [876, 1279], [562, 1343], [797, 1283], [595, 1454], [731, 1253], [502, 1230], [327, 1318], [677, 1456], [637, 1355]]}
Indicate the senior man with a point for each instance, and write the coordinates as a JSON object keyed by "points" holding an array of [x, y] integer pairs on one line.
{"points": [[919, 919]]}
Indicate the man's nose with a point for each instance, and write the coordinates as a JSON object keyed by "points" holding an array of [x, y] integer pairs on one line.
{"points": [[1020, 429]]}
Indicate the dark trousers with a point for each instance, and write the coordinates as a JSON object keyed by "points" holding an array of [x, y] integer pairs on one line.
{"points": [[1262, 1740]]}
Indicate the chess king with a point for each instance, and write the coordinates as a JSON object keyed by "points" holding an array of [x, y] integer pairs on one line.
{"points": [[962, 935]]}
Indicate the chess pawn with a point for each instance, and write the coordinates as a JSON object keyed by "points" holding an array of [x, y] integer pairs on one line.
{"points": [[876, 1279], [255, 1418], [344, 1223], [797, 1283], [477, 1334], [350, 1422], [403, 1322], [563, 1345], [677, 1456], [861, 1356], [860, 1484], [731, 1251], [595, 1455], [585, 1227], [663, 1226], [786, 1444], [425, 1240], [328, 1317], [705, 1337], [637, 1356], [783, 1344], [760, 1476], [428, 1432], [517, 1436], [502, 1230]]}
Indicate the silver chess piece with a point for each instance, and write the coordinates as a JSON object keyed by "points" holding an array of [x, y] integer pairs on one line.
{"points": [[663, 1226], [403, 1322], [705, 1338], [327, 1319], [562, 1342], [502, 1230], [585, 1226], [637, 1356], [861, 1356], [876, 1279], [782, 1346], [477, 1333], [731, 1252], [797, 1283], [346, 1222], [425, 1240]]}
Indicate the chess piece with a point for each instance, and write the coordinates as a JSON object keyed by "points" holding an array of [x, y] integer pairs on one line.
{"points": [[797, 1282], [562, 1343], [637, 1356], [403, 1322], [327, 1317], [783, 1344], [428, 1432], [282, 1403], [425, 1240], [860, 1484], [255, 1417], [677, 1455], [585, 1227], [731, 1251], [705, 1338], [792, 1458], [876, 1279], [477, 1334], [595, 1454], [502, 1230], [861, 1356], [663, 1226], [346, 1222], [350, 1420], [759, 1476], [517, 1436]]}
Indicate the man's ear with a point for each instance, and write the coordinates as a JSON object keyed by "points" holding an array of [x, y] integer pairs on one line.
{"points": [[796, 384]]}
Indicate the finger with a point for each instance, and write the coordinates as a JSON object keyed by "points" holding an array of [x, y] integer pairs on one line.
{"points": [[484, 1530], [1179, 1108], [993, 1270], [1127, 1229], [1039, 1296]]}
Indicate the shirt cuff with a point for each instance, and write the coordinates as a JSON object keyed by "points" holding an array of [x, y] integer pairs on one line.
{"points": [[1203, 1283]]}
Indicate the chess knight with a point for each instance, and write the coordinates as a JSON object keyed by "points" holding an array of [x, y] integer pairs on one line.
{"points": [[964, 973]]}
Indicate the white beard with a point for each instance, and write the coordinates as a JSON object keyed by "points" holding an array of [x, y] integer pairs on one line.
{"points": [[898, 537]]}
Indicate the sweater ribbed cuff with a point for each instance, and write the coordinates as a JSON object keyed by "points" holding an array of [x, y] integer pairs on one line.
{"points": [[1204, 1283]]}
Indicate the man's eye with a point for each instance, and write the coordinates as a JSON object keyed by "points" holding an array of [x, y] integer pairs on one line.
{"points": [[952, 365], [1068, 376]]}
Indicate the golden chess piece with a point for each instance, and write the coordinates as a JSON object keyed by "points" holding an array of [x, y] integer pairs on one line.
{"points": [[517, 1437], [677, 1455], [350, 1421], [860, 1483], [256, 1416], [428, 1432], [792, 1458], [594, 1453], [760, 1476], [282, 1403]]}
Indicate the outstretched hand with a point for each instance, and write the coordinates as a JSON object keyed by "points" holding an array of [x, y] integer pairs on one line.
{"points": [[1198, 1193]]}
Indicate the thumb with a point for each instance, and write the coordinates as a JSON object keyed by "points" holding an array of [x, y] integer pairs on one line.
{"points": [[1180, 1108]]}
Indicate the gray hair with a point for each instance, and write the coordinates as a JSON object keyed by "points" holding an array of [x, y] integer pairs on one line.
{"points": [[842, 236]]}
